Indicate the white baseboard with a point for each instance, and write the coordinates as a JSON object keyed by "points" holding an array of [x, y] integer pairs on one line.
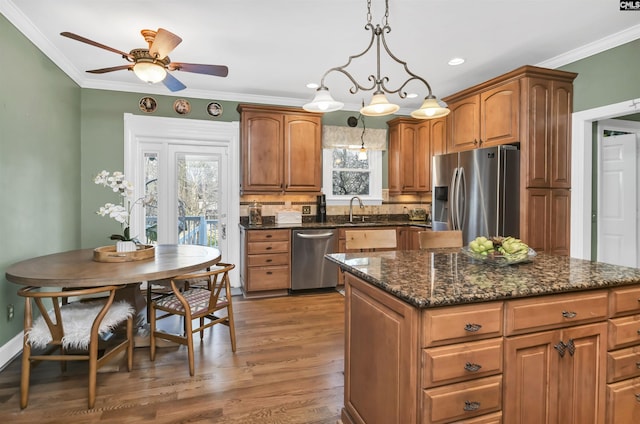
{"points": [[10, 350]]}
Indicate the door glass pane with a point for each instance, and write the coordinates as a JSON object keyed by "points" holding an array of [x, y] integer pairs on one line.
{"points": [[198, 194], [151, 195]]}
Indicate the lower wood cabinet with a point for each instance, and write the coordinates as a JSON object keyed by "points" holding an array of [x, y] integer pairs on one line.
{"points": [[265, 262]]}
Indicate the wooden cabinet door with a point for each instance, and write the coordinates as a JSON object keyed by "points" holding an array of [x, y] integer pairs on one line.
{"points": [[393, 155], [464, 124], [544, 386], [381, 355], [262, 151], [438, 136], [302, 153], [407, 158], [561, 110], [500, 115], [582, 375], [422, 157], [530, 364], [559, 220], [538, 133]]}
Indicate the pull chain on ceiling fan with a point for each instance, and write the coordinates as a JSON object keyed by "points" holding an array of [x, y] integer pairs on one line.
{"points": [[153, 65]]}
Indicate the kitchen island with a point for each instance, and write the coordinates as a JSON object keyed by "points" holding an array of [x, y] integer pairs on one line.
{"points": [[441, 338]]}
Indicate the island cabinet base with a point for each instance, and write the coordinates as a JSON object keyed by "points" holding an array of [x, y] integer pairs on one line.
{"points": [[567, 357]]}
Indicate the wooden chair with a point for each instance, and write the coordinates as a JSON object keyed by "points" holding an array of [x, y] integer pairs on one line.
{"points": [[439, 239], [368, 240], [77, 328], [195, 302]]}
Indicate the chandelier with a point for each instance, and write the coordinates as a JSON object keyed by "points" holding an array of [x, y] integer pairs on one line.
{"points": [[379, 105]]}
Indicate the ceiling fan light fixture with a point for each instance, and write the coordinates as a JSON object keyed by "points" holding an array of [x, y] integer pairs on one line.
{"points": [[379, 106], [150, 72], [430, 109], [323, 102]]}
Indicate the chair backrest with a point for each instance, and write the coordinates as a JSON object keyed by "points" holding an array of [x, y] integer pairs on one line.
{"points": [[216, 280], [440, 239], [370, 239]]}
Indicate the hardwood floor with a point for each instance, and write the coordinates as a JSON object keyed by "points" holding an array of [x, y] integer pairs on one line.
{"points": [[288, 368]]}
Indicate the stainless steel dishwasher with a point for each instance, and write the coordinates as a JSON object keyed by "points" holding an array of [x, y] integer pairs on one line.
{"points": [[309, 268]]}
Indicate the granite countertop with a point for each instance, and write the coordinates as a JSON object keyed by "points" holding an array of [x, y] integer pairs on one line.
{"points": [[425, 279], [320, 225]]}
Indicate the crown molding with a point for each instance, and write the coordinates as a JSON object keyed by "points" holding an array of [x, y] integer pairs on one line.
{"points": [[606, 43]]}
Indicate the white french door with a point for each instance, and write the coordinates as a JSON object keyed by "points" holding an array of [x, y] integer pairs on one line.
{"points": [[188, 169]]}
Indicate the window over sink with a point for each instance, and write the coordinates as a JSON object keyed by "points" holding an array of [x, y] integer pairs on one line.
{"points": [[345, 176]]}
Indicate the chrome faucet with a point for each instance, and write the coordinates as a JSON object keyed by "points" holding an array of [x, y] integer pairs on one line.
{"points": [[351, 207]]}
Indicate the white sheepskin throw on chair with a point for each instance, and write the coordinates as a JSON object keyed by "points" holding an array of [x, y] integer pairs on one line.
{"points": [[77, 319]]}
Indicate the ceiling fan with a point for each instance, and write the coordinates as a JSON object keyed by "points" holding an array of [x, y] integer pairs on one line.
{"points": [[153, 65]]}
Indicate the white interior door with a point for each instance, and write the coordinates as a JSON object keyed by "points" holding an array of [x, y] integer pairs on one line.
{"points": [[617, 199]]}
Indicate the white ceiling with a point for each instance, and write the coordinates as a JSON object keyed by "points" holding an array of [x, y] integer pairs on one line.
{"points": [[273, 48]]}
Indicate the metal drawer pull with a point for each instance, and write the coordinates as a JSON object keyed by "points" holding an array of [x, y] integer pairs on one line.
{"points": [[638, 365], [472, 327], [269, 260], [269, 248], [561, 348], [472, 367], [638, 397], [638, 332], [269, 235], [269, 272], [572, 347], [471, 406], [568, 314]]}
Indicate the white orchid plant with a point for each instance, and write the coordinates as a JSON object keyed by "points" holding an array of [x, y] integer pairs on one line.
{"points": [[120, 212]]}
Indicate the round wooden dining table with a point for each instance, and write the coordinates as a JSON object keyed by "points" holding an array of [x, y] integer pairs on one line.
{"points": [[76, 268]]}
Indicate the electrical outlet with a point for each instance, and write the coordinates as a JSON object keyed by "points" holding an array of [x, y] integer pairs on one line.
{"points": [[9, 312], [306, 210]]}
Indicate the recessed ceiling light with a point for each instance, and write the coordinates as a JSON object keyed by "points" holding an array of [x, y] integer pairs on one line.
{"points": [[312, 85], [456, 61]]}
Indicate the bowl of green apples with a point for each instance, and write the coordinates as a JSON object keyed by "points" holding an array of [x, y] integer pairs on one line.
{"points": [[499, 250]]}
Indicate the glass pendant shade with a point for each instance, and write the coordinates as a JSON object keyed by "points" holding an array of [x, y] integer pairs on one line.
{"points": [[323, 102], [379, 106], [149, 72], [430, 109], [362, 153]]}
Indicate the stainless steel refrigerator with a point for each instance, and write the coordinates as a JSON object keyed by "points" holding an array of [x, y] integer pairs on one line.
{"points": [[477, 191]]}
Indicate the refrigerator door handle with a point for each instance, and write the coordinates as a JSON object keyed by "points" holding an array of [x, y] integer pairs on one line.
{"points": [[453, 204], [461, 198]]}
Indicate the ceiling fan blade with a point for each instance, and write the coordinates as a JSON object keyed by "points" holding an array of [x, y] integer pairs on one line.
{"points": [[172, 83], [164, 43], [113, 68], [94, 43], [215, 70]]}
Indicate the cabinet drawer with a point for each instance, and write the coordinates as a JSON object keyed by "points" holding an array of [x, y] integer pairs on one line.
{"points": [[624, 331], [623, 364], [547, 312], [267, 247], [463, 361], [461, 323], [462, 401], [268, 235], [268, 260], [495, 418], [623, 402], [624, 301], [268, 278]]}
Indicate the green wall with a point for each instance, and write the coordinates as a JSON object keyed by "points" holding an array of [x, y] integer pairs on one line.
{"points": [[39, 162], [609, 77]]}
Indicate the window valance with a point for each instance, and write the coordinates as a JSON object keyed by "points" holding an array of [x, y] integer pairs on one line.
{"points": [[350, 138]]}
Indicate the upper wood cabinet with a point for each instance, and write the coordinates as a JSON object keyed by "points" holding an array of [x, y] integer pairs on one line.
{"points": [[412, 144], [281, 150], [487, 118]]}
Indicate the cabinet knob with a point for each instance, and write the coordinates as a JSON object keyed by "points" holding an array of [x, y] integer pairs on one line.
{"points": [[472, 327], [475, 141], [472, 367], [471, 405], [569, 314], [269, 260], [638, 397], [269, 272]]}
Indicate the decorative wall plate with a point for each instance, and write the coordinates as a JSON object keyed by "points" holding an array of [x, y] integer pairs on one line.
{"points": [[148, 104], [214, 109], [182, 106]]}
